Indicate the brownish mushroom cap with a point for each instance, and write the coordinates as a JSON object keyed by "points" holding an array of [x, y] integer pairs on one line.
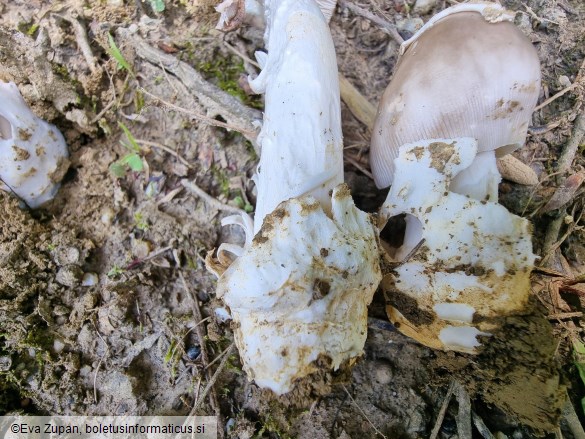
{"points": [[465, 74]]}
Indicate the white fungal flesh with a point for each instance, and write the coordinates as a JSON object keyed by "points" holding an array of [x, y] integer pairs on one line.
{"points": [[469, 72], [301, 134], [33, 153], [475, 260], [300, 293]]}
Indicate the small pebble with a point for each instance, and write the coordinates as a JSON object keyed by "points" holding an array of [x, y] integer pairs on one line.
{"points": [[408, 27], [423, 7], [108, 215], [383, 373], [5, 363], [193, 352], [89, 279], [564, 81], [69, 276], [222, 314], [140, 248], [58, 346], [66, 256], [229, 425]]}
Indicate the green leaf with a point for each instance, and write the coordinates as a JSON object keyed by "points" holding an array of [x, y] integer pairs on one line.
{"points": [[134, 161], [579, 347], [157, 5], [118, 169], [134, 146], [115, 52], [581, 370]]}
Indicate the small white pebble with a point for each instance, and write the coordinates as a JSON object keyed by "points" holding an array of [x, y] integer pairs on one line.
{"points": [[564, 81], [108, 216], [89, 280], [222, 314], [58, 346]]}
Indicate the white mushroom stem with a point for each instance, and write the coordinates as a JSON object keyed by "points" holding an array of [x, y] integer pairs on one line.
{"points": [[298, 292], [301, 136], [480, 180]]}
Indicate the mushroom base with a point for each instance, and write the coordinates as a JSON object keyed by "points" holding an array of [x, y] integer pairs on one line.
{"points": [[470, 261], [300, 291]]}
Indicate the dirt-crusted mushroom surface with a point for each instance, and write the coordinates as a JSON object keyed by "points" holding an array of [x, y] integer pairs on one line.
{"points": [[105, 303]]}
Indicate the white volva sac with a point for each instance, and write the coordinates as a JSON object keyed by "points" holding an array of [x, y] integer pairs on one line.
{"points": [[298, 292], [475, 259], [33, 153]]}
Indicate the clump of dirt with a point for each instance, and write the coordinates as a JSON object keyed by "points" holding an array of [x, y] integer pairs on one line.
{"points": [[516, 371]]}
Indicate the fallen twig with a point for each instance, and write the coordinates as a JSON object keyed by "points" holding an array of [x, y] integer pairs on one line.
{"points": [[442, 411], [572, 145], [193, 188], [386, 26], [215, 101], [572, 419], [378, 432], [82, 42], [555, 96], [208, 120], [167, 149], [213, 379], [565, 315], [464, 412], [358, 165], [481, 427]]}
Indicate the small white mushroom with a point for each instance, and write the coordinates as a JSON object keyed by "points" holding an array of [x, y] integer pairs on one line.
{"points": [[469, 72], [33, 153]]}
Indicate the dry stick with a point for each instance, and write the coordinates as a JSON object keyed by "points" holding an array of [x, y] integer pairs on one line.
{"points": [[566, 315], [464, 412], [572, 419], [220, 356], [481, 427], [97, 369], [570, 149], [551, 236], [442, 411], [359, 106], [216, 101], [387, 27], [82, 42], [209, 386], [240, 54], [555, 96], [167, 149], [355, 163], [363, 413], [198, 318], [192, 187], [208, 120]]}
